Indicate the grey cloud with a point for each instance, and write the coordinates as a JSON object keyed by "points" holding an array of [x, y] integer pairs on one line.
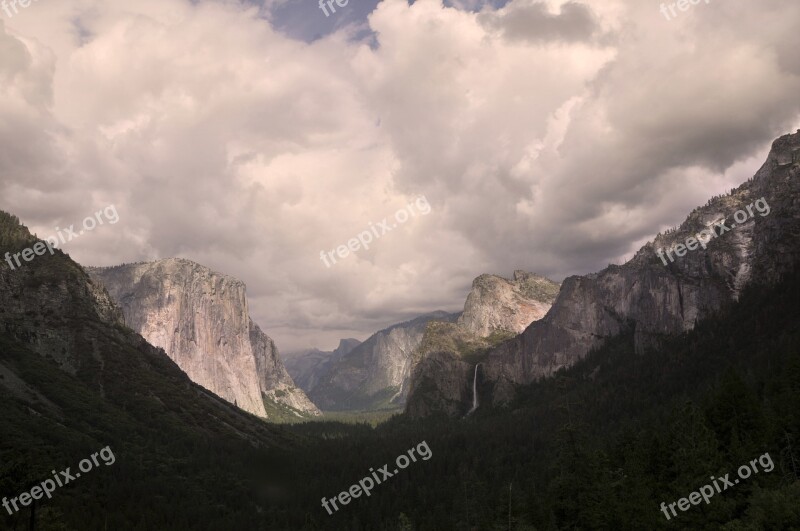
{"points": [[532, 21], [255, 151]]}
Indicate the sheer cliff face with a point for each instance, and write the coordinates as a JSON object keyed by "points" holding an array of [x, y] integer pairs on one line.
{"points": [[51, 309], [307, 367], [273, 379], [495, 308], [442, 382], [200, 318], [375, 373], [654, 299], [496, 303], [379, 371]]}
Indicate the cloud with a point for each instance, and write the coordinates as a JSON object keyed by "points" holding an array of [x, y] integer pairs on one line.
{"points": [[558, 145], [532, 21]]}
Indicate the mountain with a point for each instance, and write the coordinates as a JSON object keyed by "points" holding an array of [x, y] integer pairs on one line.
{"points": [[602, 444], [599, 446], [306, 367], [656, 295], [374, 374], [377, 373], [201, 320], [496, 309], [74, 379], [497, 303]]}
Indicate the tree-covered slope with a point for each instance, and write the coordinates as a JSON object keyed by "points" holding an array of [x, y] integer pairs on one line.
{"points": [[73, 380], [599, 446], [602, 444]]}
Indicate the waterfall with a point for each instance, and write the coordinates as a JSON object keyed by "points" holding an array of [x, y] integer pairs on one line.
{"points": [[474, 390]]}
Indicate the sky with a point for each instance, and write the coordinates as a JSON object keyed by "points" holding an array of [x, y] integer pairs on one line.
{"points": [[261, 139]]}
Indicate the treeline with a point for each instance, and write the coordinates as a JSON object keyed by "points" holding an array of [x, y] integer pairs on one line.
{"points": [[603, 444], [599, 446]]}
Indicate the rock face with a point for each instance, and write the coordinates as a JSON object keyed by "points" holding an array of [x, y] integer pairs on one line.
{"points": [[201, 320], [375, 374], [55, 319], [496, 309], [378, 372], [496, 303], [274, 381], [442, 362], [655, 300], [441, 383], [307, 366]]}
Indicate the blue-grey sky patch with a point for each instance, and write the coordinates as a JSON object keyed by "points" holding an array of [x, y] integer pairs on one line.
{"points": [[304, 20]]}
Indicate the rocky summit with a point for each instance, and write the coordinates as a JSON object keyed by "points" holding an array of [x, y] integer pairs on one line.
{"points": [[201, 320], [496, 309], [646, 297], [496, 303], [378, 372]]}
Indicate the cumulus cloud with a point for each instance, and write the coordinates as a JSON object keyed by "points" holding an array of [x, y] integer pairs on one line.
{"points": [[533, 21], [549, 136]]}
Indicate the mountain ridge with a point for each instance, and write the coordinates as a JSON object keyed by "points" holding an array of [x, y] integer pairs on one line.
{"points": [[307, 366], [651, 299], [74, 378], [378, 372]]}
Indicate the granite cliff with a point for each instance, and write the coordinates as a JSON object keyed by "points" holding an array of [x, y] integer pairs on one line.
{"points": [[201, 320], [307, 366], [375, 373], [496, 309], [652, 299], [74, 379], [378, 373], [496, 303]]}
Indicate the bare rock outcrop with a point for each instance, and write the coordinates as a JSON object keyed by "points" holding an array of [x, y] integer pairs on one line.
{"points": [[653, 297], [496, 309], [201, 320], [496, 303], [655, 300], [375, 374]]}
